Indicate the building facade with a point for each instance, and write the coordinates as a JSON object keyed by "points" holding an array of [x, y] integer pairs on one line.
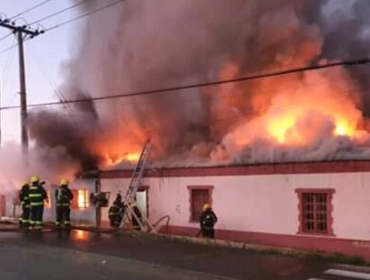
{"points": [[310, 206]]}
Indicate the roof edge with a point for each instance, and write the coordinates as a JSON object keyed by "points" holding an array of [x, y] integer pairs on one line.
{"points": [[240, 170]]}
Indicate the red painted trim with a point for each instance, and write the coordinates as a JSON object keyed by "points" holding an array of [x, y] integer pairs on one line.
{"points": [[262, 169], [16, 198], [360, 248], [329, 205], [191, 188], [2, 205]]}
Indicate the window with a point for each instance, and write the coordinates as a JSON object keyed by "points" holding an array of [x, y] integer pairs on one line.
{"points": [[48, 201], [315, 211], [199, 195], [80, 199]]}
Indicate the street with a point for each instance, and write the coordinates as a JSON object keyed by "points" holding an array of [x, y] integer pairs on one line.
{"points": [[85, 255]]}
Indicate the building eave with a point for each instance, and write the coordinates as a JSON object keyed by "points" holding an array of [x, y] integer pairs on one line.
{"points": [[245, 170]]}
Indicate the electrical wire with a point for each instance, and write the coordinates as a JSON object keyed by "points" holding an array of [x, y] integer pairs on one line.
{"points": [[30, 9], [53, 85], [84, 15], [68, 21], [8, 49], [251, 114], [60, 12], [199, 85], [230, 94], [6, 36]]}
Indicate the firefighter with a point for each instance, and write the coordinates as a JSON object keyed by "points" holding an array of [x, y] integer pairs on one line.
{"points": [[37, 195], [207, 220], [136, 222], [63, 198], [24, 220], [116, 212]]}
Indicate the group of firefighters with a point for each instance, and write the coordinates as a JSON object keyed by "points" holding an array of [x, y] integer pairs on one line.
{"points": [[33, 195]]}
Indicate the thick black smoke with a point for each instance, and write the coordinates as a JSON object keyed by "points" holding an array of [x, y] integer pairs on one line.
{"points": [[142, 45], [345, 29]]}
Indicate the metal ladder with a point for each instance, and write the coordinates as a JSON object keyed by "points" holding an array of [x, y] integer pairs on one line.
{"points": [[135, 183]]}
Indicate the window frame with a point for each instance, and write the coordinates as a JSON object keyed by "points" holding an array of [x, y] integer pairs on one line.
{"points": [[145, 188], [74, 203], [210, 199], [329, 211], [2, 205]]}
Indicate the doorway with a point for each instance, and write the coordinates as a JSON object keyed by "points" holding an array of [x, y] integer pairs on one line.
{"points": [[142, 200]]}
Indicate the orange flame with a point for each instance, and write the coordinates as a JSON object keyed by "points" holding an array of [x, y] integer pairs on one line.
{"points": [[299, 117], [133, 157]]}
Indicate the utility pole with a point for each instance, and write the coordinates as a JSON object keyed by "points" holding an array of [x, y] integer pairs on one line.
{"points": [[21, 32], [1, 102]]}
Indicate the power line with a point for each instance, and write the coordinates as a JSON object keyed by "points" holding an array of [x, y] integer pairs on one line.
{"points": [[68, 21], [207, 84], [6, 36], [7, 67], [60, 12], [252, 114], [30, 9], [57, 91], [202, 97], [85, 15], [9, 48]]}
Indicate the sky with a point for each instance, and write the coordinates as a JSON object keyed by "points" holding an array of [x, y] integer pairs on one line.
{"points": [[44, 57]]}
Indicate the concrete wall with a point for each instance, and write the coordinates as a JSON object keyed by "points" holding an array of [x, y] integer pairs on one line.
{"points": [[260, 203]]}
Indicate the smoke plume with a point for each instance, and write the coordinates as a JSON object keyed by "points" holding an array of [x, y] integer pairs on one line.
{"points": [[143, 45], [17, 168]]}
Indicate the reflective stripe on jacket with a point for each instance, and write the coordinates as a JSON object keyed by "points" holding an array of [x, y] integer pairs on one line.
{"points": [[37, 195]]}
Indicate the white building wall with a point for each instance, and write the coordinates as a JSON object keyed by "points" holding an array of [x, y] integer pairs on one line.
{"points": [[260, 203]]}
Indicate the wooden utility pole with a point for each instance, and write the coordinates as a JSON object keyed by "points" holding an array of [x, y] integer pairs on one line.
{"points": [[21, 32]]}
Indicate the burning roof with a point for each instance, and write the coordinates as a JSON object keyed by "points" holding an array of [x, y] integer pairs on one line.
{"points": [[144, 45]]}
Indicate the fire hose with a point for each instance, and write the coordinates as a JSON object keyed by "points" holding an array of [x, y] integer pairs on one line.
{"points": [[161, 219]]}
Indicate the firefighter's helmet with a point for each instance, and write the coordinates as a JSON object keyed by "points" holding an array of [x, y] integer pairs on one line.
{"points": [[64, 182], [207, 206], [25, 183], [35, 179]]}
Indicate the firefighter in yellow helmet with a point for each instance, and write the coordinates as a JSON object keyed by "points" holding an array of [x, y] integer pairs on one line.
{"points": [[63, 197], [24, 220], [207, 220], [36, 195]]}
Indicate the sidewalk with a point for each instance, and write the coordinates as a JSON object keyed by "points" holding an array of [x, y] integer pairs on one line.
{"points": [[10, 225]]}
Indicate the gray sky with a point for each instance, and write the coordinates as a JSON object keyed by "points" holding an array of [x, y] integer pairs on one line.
{"points": [[44, 57]]}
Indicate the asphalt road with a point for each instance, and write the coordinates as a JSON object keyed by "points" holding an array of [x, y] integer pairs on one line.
{"points": [[83, 255]]}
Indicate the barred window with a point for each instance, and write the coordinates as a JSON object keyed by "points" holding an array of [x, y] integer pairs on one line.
{"points": [[315, 211], [199, 195]]}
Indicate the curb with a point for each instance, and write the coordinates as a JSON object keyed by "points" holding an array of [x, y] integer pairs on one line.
{"points": [[336, 258], [339, 260]]}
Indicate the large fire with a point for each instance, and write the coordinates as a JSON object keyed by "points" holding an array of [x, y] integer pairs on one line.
{"points": [[306, 115], [316, 110]]}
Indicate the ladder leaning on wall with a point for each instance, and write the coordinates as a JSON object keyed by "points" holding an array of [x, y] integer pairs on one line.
{"points": [[134, 185]]}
